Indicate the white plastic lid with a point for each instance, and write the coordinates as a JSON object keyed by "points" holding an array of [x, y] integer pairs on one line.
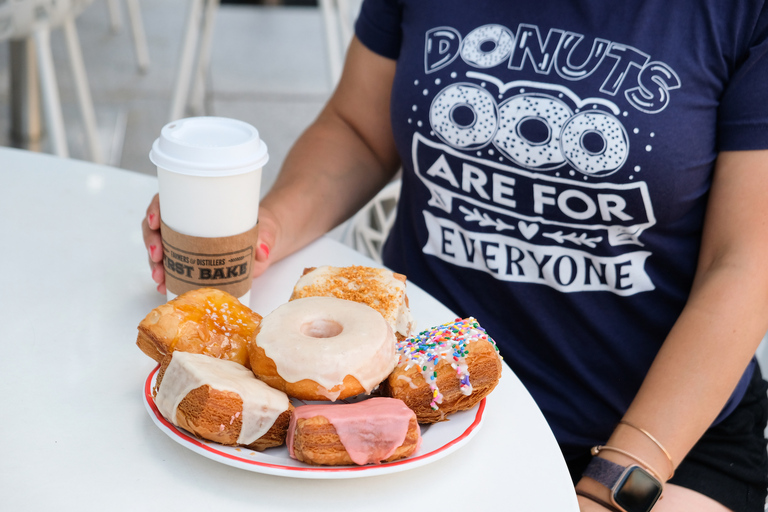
{"points": [[209, 146]]}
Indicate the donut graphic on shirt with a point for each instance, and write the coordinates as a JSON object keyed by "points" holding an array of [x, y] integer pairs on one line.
{"points": [[535, 130], [530, 128], [595, 143], [464, 116]]}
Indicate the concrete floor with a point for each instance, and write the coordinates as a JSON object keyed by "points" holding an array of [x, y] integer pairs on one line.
{"points": [[268, 67]]}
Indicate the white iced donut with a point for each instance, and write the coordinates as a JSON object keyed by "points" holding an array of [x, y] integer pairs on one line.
{"points": [[479, 118], [497, 35], [548, 115], [604, 153], [323, 348]]}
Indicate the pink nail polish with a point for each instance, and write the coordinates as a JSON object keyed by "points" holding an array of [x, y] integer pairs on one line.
{"points": [[150, 218], [152, 249], [265, 249]]}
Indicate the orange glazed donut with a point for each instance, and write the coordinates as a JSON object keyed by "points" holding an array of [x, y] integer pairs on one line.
{"points": [[323, 348], [203, 321], [446, 369]]}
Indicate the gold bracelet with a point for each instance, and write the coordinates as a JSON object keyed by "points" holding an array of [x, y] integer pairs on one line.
{"points": [[597, 449], [656, 442]]}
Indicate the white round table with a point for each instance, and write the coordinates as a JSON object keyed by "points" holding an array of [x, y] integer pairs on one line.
{"points": [[75, 434]]}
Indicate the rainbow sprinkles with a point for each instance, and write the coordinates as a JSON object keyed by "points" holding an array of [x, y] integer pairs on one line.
{"points": [[447, 342]]}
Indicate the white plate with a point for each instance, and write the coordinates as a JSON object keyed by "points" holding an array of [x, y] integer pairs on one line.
{"points": [[438, 440]]}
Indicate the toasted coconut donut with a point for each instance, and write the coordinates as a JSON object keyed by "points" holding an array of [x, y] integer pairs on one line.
{"points": [[204, 321], [444, 370], [379, 288], [368, 432], [221, 401], [323, 348]]}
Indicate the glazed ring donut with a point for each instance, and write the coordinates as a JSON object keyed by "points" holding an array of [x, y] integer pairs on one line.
{"points": [[550, 113], [472, 52], [221, 401], [368, 432], [446, 369], [464, 134], [612, 143], [323, 348]]}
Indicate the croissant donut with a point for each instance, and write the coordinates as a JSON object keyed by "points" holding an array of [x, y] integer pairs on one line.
{"points": [[323, 348], [444, 370], [379, 288], [204, 321], [221, 401], [368, 432]]}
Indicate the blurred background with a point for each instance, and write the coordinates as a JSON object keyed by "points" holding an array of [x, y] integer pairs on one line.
{"points": [[268, 65]]}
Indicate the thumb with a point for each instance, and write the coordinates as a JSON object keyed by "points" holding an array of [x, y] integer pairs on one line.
{"points": [[265, 243]]}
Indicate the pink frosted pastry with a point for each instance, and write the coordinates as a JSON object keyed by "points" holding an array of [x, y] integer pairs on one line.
{"points": [[368, 432]]}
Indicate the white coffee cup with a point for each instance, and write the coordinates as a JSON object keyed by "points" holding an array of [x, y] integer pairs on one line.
{"points": [[209, 178]]}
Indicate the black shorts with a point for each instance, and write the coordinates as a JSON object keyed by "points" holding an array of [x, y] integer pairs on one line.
{"points": [[729, 463]]}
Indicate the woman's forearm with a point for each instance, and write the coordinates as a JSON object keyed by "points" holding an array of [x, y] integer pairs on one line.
{"points": [[716, 335], [341, 160]]}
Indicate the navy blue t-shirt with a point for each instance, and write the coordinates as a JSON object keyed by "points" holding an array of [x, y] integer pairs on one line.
{"points": [[557, 157]]}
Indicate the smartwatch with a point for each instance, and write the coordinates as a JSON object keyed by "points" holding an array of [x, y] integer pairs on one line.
{"points": [[633, 488]]}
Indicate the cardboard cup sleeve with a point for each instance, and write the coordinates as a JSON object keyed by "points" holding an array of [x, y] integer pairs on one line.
{"points": [[193, 262]]}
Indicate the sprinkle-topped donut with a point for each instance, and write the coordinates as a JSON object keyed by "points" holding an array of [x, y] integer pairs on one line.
{"points": [[445, 369]]}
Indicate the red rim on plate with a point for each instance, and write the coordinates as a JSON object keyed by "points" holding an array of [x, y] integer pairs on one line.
{"points": [[185, 438]]}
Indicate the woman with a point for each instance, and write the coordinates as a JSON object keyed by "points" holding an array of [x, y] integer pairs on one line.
{"points": [[589, 180]]}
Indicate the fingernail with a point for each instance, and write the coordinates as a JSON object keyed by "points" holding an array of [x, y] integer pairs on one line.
{"points": [[265, 249], [150, 218], [152, 251], [156, 274]]}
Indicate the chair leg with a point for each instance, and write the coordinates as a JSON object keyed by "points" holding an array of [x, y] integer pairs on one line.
{"points": [[83, 90], [346, 29], [197, 97], [50, 92], [139, 36], [186, 61], [115, 18], [330, 18]]}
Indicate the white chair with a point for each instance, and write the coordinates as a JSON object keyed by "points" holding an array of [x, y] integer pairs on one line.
{"points": [[137, 29], [33, 20], [367, 230], [189, 91], [339, 19]]}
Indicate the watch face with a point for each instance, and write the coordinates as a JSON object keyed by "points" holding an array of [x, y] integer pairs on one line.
{"points": [[638, 490]]}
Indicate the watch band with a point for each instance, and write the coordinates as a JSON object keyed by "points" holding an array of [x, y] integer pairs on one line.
{"points": [[633, 488], [604, 471], [597, 500]]}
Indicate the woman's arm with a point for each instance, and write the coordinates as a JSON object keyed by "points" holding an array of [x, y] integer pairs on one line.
{"points": [[341, 161], [335, 167], [719, 329]]}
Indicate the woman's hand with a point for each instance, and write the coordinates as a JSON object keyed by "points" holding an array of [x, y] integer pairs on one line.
{"points": [[269, 230], [150, 229]]}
